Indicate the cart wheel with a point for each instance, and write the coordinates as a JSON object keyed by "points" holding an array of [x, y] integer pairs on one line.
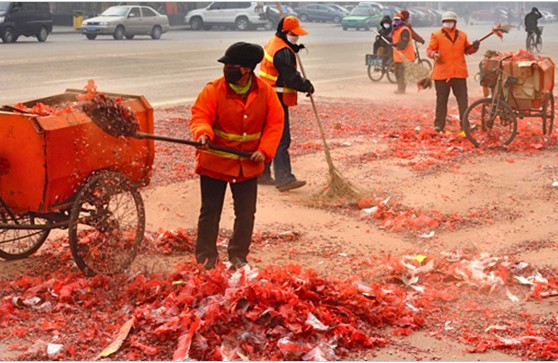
{"points": [[489, 124], [20, 243], [107, 224], [548, 117]]}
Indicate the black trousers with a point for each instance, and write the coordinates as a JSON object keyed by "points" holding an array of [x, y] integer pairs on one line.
{"points": [[213, 196], [400, 76], [459, 88]]}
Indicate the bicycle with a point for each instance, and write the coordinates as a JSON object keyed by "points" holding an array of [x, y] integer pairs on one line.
{"points": [[493, 121], [380, 65], [422, 61], [534, 41]]}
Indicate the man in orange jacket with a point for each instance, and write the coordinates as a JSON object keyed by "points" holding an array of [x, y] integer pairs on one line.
{"points": [[404, 50], [448, 47], [238, 111]]}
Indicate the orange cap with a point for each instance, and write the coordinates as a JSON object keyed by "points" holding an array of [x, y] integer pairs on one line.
{"points": [[398, 16], [290, 23]]}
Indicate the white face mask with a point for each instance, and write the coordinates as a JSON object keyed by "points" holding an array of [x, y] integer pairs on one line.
{"points": [[386, 26], [448, 25], [293, 39]]}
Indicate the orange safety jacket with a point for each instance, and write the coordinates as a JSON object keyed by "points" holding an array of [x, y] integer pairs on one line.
{"points": [[255, 124], [269, 73], [408, 51], [451, 45]]}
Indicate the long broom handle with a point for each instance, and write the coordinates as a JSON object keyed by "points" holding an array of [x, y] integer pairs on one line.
{"points": [[141, 135], [322, 132]]}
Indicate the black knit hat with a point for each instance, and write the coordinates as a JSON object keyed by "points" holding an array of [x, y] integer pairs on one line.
{"points": [[244, 54]]}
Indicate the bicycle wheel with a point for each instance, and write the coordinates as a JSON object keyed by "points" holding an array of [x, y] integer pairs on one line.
{"points": [[425, 63], [107, 224], [530, 43], [538, 45], [548, 116], [489, 123], [390, 72], [375, 73], [20, 243]]}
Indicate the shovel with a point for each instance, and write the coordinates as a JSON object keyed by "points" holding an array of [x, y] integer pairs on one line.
{"points": [[116, 121]]}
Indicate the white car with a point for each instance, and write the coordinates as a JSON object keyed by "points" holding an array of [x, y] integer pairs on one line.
{"points": [[548, 17], [240, 15], [126, 21]]}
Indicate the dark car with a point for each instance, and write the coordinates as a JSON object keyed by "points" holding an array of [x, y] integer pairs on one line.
{"points": [[24, 18], [420, 17], [319, 12], [272, 14]]}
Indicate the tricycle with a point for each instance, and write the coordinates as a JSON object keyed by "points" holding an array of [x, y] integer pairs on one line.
{"points": [[514, 86]]}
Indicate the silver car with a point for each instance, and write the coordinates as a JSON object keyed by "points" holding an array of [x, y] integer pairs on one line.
{"points": [[126, 21]]}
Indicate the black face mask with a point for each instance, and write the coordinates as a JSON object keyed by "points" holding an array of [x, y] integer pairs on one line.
{"points": [[233, 75]]}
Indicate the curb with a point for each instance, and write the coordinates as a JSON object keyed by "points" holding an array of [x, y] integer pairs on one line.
{"points": [[71, 30]]}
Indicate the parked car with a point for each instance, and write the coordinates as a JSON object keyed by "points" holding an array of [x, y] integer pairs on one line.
{"points": [[239, 15], [319, 12], [390, 10], [372, 4], [362, 17], [548, 17], [481, 16], [126, 21], [272, 15], [438, 16], [340, 8], [24, 18], [420, 17]]}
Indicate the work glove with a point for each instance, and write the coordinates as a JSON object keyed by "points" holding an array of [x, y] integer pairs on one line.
{"points": [[422, 42], [476, 44], [310, 91]]}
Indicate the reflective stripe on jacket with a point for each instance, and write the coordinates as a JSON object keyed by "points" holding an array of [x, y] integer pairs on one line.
{"points": [[253, 125], [408, 51], [451, 47], [269, 73]]}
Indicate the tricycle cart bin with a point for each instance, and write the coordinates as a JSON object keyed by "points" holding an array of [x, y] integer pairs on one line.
{"points": [[63, 171]]}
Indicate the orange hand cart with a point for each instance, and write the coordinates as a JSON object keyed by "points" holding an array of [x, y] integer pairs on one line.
{"points": [[63, 171]]}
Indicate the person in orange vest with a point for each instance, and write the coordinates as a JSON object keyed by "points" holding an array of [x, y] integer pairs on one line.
{"points": [[414, 35], [239, 111], [279, 69], [448, 47], [404, 50]]}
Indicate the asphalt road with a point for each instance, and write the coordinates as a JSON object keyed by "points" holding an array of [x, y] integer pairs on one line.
{"points": [[172, 70]]}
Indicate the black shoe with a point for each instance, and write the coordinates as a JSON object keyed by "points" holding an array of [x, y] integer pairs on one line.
{"points": [[238, 262], [266, 180], [209, 263], [292, 185]]}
